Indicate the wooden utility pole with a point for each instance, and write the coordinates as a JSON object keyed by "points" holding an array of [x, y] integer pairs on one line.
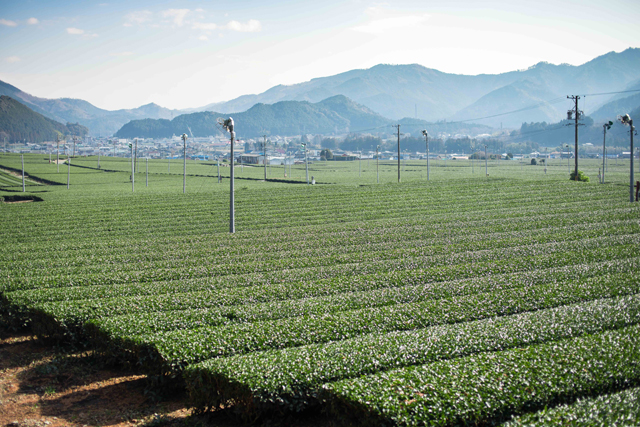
{"points": [[577, 114]]}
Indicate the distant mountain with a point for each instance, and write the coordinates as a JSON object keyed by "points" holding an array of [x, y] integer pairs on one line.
{"points": [[100, 122], [397, 91], [18, 122], [332, 115], [621, 103]]}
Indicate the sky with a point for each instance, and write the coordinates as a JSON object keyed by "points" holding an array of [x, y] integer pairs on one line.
{"points": [[190, 53]]}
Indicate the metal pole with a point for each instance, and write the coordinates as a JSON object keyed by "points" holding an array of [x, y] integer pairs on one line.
{"points": [[398, 126], [169, 164], [604, 140], [147, 171], [486, 160], [98, 157], [377, 165], [74, 145], [58, 153], [232, 213], [426, 137], [133, 176], [306, 165], [23, 189], [631, 182], [68, 171], [218, 170], [135, 165], [264, 150], [359, 163], [184, 168]]}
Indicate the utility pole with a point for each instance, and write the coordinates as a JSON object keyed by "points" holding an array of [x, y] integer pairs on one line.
{"points": [[626, 120], [359, 163], [605, 127], [378, 164], [218, 170], [22, 159], [486, 160], [184, 169], [69, 169], [398, 128], [114, 147], [264, 150], [133, 176], [578, 114], [135, 167], [229, 126], [426, 138], [147, 171], [74, 145], [306, 165], [58, 153], [98, 156]]}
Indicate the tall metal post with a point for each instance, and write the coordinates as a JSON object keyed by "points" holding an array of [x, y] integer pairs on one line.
{"points": [[264, 151], [604, 140], [631, 181], [133, 176], [359, 163], [306, 165], [398, 127], [184, 167], [98, 156], [426, 138], [218, 170], [23, 188], [147, 171], [58, 153], [378, 164], [135, 165], [74, 146], [232, 210], [486, 160], [68, 171]]}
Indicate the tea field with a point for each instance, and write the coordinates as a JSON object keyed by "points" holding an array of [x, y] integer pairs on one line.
{"points": [[463, 300]]}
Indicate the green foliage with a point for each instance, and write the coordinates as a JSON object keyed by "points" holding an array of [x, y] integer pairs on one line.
{"points": [[617, 409], [327, 283], [20, 123], [486, 388], [534, 162], [581, 176]]}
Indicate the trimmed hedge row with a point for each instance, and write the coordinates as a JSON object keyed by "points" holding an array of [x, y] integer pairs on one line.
{"points": [[173, 351], [610, 410], [487, 388], [289, 379]]}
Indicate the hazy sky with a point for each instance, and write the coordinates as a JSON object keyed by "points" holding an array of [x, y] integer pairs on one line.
{"points": [[189, 53]]}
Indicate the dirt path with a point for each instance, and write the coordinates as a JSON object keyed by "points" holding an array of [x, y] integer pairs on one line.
{"points": [[45, 386]]}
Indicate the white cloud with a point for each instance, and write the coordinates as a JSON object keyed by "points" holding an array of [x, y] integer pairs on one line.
{"points": [[138, 17], [12, 59], [383, 20], [251, 26], [177, 15], [8, 23], [204, 26], [127, 53], [203, 38], [33, 21], [75, 31]]}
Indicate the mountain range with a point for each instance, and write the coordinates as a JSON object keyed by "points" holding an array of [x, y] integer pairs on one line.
{"points": [[397, 91], [18, 122], [99, 121]]}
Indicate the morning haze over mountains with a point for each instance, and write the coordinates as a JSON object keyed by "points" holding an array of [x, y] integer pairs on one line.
{"points": [[363, 99]]}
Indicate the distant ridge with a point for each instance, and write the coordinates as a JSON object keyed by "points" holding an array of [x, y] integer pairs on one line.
{"points": [[18, 122]]}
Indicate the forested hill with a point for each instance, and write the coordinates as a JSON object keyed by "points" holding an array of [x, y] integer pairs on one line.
{"points": [[333, 115], [18, 122]]}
